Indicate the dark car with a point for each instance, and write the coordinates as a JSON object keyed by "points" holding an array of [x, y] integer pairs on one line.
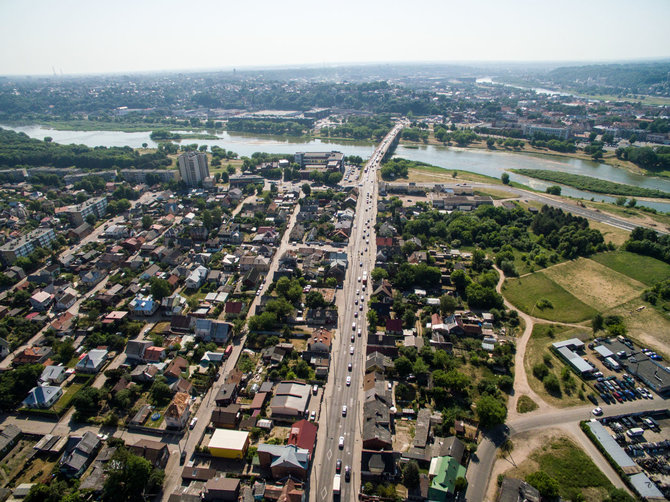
{"points": [[347, 473], [182, 458], [593, 399], [338, 465]]}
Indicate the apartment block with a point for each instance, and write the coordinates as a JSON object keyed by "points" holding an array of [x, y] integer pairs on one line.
{"points": [[26, 244], [193, 168], [96, 206]]}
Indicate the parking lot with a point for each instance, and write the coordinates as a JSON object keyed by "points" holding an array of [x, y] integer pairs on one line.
{"points": [[645, 437], [625, 372]]}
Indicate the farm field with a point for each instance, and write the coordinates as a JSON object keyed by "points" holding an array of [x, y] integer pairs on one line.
{"points": [[594, 284], [524, 293]]}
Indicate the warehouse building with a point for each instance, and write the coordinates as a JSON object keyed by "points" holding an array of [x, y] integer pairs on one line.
{"points": [[229, 444]]}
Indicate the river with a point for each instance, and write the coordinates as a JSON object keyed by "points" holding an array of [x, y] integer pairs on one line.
{"points": [[478, 161]]}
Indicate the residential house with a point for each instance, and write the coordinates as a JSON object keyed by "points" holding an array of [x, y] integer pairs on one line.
{"points": [[227, 417], [443, 473], [154, 354], [197, 277], [226, 395], [284, 461], [178, 411], [41, 301], [143, 373], [221, 489], [75, 461], [303, 435], [44, 396], [92, 362], [175, 368], [155, 452], [135, 350], [209, 330], [9, 436], [52, 375], [32, 355]]}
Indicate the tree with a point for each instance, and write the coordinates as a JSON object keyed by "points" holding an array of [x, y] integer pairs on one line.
{"points": [[147, 221], [490, 411], [128, 477], [620, 201], [545, 484], [410, 475], [489, 143], [448, 304], [314, 299], [378, 274], [554, 190], [160, 288], [551, 384], [90, 219], [306, 189], [459, 280], [618, 495], [597, 323], [373, 320], [504, 178], [403, 366], [460, 484]]}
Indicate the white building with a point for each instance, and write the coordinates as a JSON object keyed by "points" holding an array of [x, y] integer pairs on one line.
{"points": [[193, 168]]}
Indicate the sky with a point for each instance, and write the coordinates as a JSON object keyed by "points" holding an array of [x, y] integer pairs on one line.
{"points": [[89, 36]]}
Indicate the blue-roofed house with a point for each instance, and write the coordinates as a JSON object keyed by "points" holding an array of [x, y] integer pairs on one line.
{"points": [[144, 306], [283, 460], [42, 397]]}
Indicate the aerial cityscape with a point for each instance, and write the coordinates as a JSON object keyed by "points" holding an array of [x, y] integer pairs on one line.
{"points": [[298, 253]]}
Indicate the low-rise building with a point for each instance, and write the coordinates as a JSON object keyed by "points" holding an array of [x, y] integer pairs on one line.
{"points": [[228, 444]]}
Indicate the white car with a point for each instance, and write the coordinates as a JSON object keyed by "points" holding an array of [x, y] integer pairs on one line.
{"points": [[340, 444], [597, 411], [312, 416], [351, 350], [348, 381], [344, 410]]}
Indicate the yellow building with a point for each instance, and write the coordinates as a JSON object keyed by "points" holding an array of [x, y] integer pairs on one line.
{"points": [[229, 444]]}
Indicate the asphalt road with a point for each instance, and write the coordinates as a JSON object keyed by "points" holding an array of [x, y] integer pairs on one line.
{"points": [[556, 201], [481, 464], [333, 423]]}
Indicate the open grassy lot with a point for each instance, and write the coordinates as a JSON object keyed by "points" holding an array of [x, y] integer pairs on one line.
{"points": [[524, 293], [568, 464], [525, 405], [434, 174], [64, 402], [538, 352], [615, 235], [645, 269], [594, 284], [649, 326]]}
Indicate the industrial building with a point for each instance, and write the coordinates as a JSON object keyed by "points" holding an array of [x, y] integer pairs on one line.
{"points": [[229, 444], [329, 161], [566, 349]]}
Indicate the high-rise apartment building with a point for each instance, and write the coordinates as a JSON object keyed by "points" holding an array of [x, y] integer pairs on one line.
{"points": [[193, 168]]}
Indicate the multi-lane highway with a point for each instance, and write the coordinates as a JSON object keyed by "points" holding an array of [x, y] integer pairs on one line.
{"points": [[345, 382]]}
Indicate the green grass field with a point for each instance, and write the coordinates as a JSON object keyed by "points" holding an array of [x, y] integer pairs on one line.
{"points": [[526, 291], [574, 470], [525, 405], [645, 269], [64, 402]]}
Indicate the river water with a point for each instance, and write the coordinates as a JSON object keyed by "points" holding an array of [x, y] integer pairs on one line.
{"points": [[478, 161]]}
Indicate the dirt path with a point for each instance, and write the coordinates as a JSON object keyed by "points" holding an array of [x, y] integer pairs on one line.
{"points": [[521, 385]]}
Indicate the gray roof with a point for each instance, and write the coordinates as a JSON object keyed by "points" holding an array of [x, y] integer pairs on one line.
{"points": [[40, 395], [610, 445], [575, 360], [645, 487], [603, 351], [572, 342]]}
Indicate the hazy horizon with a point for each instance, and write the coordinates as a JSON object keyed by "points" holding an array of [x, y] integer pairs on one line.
{"points": [[74, 37]]}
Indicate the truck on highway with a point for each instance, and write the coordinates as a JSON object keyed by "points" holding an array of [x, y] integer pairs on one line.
{"points": [[365, 277], [337, 481]]}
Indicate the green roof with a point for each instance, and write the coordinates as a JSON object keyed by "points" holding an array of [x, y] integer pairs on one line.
{"points": [[445, 471]]}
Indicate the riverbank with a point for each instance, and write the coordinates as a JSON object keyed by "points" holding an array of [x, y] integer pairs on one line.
{"points": [[609, 158], [594, 185]]}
